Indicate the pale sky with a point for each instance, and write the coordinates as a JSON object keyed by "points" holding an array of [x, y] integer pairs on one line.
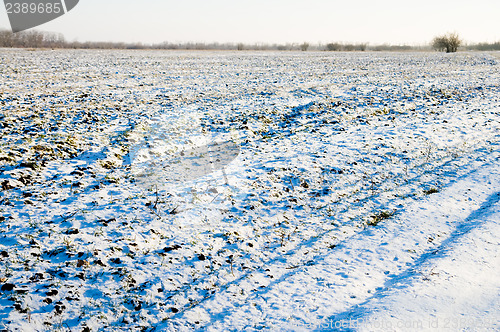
{"points": [[276, 21]]}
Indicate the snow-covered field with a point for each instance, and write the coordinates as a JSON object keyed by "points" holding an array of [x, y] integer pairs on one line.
{"points": [[360, 191]]}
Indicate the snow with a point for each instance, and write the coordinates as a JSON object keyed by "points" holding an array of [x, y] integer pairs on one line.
{"points": [[325, 191]]}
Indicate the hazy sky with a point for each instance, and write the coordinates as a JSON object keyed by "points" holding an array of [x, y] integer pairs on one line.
{"points": [[276, 21]]}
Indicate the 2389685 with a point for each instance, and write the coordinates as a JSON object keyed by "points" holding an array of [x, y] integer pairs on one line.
{"points": [[33, 8]]}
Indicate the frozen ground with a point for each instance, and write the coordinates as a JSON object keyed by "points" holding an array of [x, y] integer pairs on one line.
{"points": [[364, 195]]}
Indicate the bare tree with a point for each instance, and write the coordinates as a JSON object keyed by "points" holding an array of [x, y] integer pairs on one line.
{"points": [[53, 40], [304, 46], [6, 38], [449, 43]]}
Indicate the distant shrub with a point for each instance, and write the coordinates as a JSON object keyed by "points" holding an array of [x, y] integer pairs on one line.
{"points": [[304, 47], [392, 48], [333, 47], [348, 47], [449, 43], [485, 46], [345, 47]]}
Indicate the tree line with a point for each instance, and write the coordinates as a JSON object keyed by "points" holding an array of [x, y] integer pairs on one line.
{"points": [[41, 39]]}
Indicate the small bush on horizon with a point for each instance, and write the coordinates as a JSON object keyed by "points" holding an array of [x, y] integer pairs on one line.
{"points": [[449, 43]]}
